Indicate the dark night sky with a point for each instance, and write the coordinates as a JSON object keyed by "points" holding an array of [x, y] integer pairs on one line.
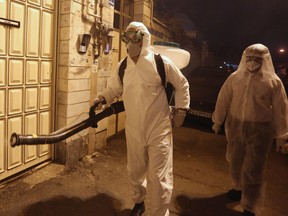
{"points": [[229, 26]]}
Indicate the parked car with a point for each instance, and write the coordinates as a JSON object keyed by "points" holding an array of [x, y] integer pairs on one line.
{"points": [[205, 84]]}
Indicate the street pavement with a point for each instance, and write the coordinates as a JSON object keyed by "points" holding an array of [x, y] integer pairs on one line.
{"points": [[97, 185]]}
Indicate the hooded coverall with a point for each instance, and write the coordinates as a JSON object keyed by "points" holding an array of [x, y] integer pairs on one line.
{"points": [[148, 124], [254, 108]]}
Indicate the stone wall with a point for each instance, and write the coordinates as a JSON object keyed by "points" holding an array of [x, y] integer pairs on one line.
{"points": [[143, 12], [81, 75]]}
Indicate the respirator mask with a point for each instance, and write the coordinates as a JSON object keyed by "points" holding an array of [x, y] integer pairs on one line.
{"points": [[253, 63], [133, 50]]}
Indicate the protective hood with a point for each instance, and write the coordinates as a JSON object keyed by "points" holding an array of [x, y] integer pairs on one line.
{"points": [[261, 51], [146, 38], [252, 97]]}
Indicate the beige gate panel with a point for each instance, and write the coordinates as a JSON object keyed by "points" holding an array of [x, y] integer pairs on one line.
{"points": [[37, 2], [30, 151], [14, 154], [27, 67], [33, 31], [45, 97], [3, 29], [15, 98], [16, 68], [47, 34], [50, 4], [45, 125], [46, 71], [2, 145], [32, 68], [31, 99], [3, 71], [2, 103], [16, 45]]}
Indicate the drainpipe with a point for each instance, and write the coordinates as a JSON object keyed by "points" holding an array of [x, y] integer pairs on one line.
{"points": [[97, 44]]}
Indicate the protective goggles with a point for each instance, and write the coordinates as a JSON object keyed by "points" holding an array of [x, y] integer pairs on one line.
{"points": [[254, 58], [133, 36]]}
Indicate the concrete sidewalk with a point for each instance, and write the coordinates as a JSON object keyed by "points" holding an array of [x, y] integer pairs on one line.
{"points": [[97, 185]]}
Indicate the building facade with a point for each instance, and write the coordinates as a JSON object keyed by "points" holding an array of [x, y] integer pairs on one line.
{"points": [[55, 57]]}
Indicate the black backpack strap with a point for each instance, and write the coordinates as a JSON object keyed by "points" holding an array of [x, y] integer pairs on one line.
{"points": [[160, 68], [169, 89], [122, 68]]}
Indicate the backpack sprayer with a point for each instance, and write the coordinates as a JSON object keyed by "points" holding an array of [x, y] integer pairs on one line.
{"points": [[62, 134]]}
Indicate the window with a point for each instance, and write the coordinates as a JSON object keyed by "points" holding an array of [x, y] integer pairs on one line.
{"points": [[159, 9], [123, 12]]}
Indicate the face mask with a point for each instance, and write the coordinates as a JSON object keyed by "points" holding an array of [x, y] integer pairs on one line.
{"points": [[253, 66], [133, 49]]}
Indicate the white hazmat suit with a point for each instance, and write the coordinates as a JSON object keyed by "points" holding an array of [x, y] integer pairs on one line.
{"points": [[148, 123], [254, 107]]}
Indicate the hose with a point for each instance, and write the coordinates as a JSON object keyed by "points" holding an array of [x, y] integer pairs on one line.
{"points": [[32, 139]]}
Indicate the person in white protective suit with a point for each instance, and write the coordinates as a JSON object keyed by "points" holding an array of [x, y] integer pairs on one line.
{"points": [[253, 104], [148, 125]]}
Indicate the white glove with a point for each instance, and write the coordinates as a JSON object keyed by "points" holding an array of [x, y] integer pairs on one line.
{"points": [[98, 103], [282, 146], [216, 128], [178, 117]]}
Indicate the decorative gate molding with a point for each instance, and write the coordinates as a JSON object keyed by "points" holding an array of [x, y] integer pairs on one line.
{"points": [[27, 71]]}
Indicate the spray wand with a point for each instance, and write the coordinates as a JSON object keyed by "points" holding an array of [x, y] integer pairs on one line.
{"points": [[62, 134]]}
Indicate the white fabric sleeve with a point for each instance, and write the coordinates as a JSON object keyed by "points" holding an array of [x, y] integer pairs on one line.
{"points": [[280, 110], [114, 87], [223, 102], [179, 82]]}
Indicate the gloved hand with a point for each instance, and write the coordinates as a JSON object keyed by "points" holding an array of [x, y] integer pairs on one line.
{"points": [[282, 146], [216, 128], [97, 104], [178, 117]]}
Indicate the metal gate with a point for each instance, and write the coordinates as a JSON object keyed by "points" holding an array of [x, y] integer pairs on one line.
{"points": [[27, 71]]}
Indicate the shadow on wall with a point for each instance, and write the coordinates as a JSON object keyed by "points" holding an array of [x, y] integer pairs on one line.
{"points": [[101, 204], [218, 205]]}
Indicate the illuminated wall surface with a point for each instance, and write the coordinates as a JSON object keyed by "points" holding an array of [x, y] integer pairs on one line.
{"points": [[27, 65], [46, 83]]}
